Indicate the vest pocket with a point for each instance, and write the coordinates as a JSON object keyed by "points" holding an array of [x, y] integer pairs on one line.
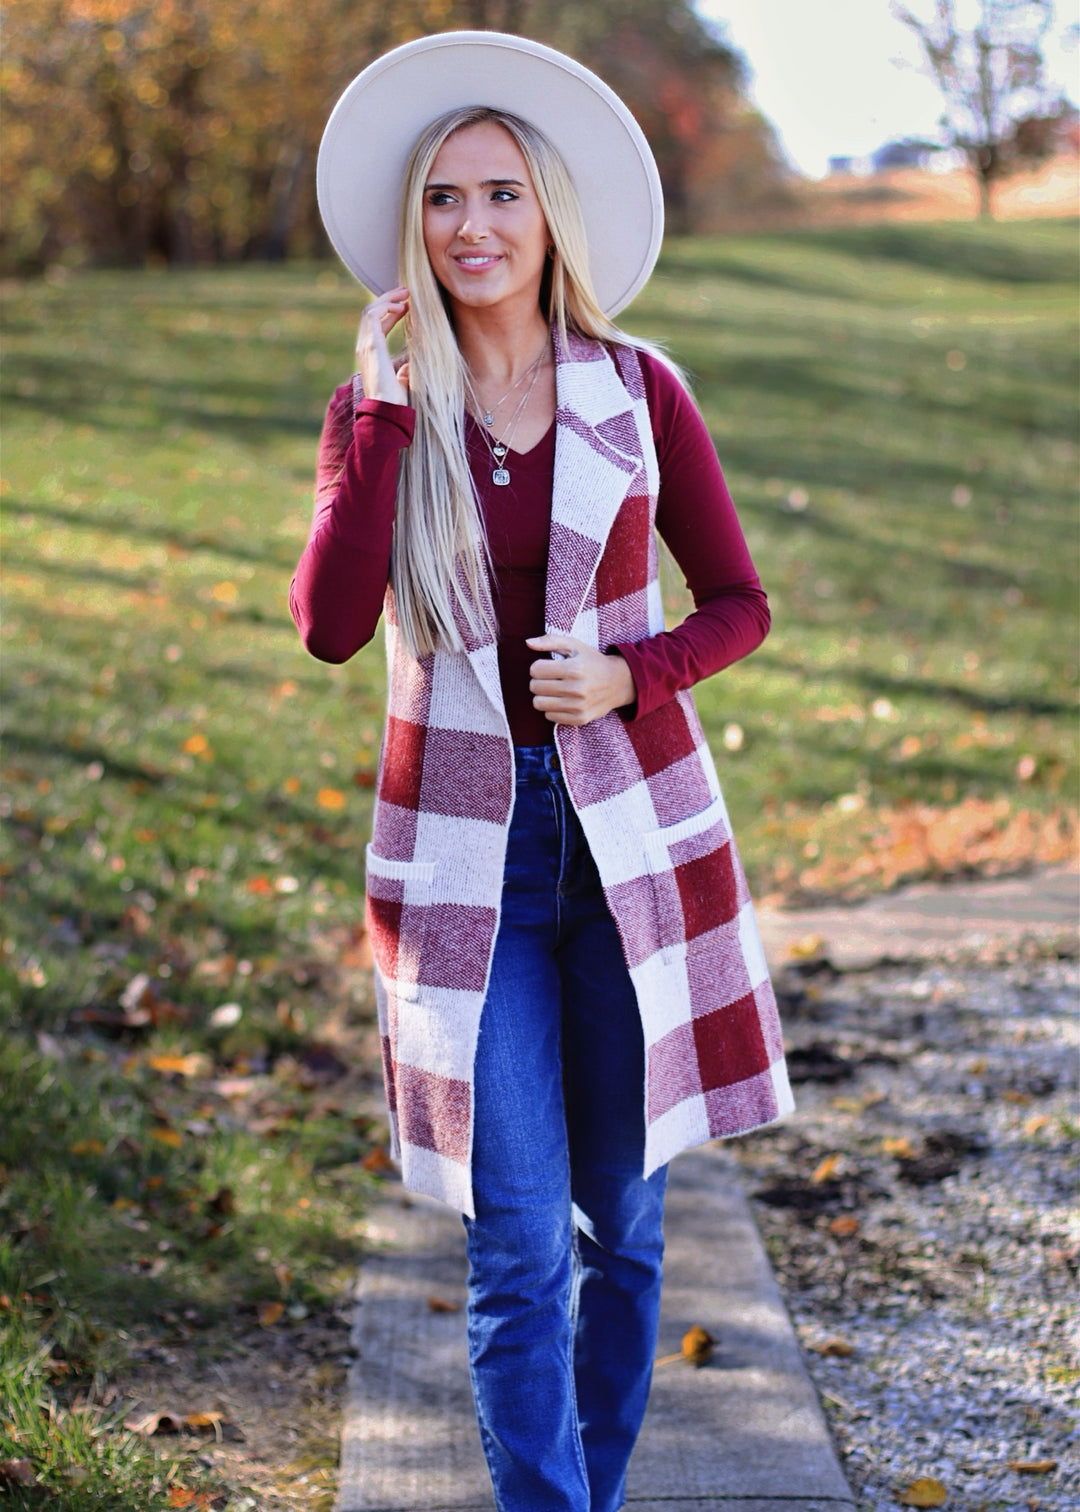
{"points": [[680, 857], [398, 893]]}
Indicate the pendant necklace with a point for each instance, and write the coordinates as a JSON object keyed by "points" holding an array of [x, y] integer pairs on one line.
{"points": [[487, 412], [500, 475]]}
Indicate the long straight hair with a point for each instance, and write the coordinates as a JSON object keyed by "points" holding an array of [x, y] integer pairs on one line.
{"points": [[440, 566]]}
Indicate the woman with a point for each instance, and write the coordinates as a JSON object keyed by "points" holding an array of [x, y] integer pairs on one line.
{"points": [[570, 983]]}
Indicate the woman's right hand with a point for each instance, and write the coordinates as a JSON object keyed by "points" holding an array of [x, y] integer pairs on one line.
{"points": [[382, 379]]}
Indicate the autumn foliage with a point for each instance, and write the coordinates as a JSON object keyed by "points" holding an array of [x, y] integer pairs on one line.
{"points": [[186, 131]]}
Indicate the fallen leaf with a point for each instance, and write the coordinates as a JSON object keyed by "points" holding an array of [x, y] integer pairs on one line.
{"points": [[902, 1148], [1036, 1122], [835, 1348], [205, 1422], [180, 1496], [924, 1492], [806, 948], [321, 1064], [196, 745], [235, 1086], [826, 1170], [18, 1472], [844, 1226], [137, 920], [138, 992], [270, 1313], [179, 1065], [330, 798], [377, 1160], [846, 1104], [223, 1201], [1033, 1467], [698, 1345], [154, 1422], [166, 1136], [226, 1016], [1011, 1095], [262, 887], [438, 1305], [88, 1147]]}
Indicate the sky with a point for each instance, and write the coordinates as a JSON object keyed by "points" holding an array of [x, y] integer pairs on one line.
{"points": [[841, 77]]}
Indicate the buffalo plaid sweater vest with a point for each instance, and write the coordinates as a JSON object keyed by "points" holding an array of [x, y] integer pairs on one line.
{"points": [[649, 802]]}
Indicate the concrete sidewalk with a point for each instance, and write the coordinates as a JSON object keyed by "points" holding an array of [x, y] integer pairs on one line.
{"points": [[744, 1431], [934, 921]]}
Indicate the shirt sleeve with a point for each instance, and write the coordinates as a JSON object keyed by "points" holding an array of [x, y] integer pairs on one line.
{"points": [[337, 593], [696, 518]]}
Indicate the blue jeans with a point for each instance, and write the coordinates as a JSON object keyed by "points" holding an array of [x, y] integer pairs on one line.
{"points": [[566, 1247]]}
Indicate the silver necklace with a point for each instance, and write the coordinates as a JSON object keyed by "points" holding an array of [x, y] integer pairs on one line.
{"points": [[498, 448], [487, 412]]}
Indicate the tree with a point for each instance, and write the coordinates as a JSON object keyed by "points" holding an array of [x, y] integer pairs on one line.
{"points": [[992, 79], [187, 130]]}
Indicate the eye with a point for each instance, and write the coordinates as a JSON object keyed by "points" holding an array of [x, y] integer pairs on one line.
{"points": [[504, 195], [440, 197]]}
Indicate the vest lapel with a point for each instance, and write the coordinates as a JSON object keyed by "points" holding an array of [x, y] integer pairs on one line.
{"points": [[483, 653], [597, 455]]}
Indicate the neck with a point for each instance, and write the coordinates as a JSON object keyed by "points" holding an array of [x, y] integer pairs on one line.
{"points": [[498, 344]]}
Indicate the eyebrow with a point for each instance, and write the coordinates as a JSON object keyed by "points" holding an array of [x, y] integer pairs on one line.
{"points": [[492, 183]]}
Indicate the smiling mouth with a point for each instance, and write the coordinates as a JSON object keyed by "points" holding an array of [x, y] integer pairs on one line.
{"points": [[482, 260]]}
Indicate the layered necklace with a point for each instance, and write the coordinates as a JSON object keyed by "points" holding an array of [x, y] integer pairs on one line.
{"points": [[499, 446]]}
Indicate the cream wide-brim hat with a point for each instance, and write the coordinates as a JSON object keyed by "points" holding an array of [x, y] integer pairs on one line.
{"points": [[376, 123]]}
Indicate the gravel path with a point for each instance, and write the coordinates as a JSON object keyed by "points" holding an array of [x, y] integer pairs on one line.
{"points": [[920, 1212]]}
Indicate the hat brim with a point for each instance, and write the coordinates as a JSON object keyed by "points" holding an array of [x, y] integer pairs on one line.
{"points": [[375, 124]]}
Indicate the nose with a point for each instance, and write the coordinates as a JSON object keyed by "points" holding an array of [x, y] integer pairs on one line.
{"points": [[474, 222], [472, 229]]}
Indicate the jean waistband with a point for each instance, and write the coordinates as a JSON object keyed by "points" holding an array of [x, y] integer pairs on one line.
{"points": [[537, 762]]}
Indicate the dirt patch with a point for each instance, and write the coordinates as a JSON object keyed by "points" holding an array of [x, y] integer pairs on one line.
{"points": [[275, 1397]]}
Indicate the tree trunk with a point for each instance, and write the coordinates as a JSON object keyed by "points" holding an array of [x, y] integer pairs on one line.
{"points": [[986, 186], [284, 186]]}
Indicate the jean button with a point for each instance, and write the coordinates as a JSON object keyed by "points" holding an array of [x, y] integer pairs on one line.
{"points": [[556, 764]]}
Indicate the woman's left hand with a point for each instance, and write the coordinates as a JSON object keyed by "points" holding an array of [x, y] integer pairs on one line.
{"points": [[581, 684]]}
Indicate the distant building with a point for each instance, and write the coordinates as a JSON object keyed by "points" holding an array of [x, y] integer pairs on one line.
{"points": [[909, 153], [851, 167], [928, 157]]}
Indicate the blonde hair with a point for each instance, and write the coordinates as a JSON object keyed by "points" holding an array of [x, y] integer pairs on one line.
{"points": [[440, 563]]}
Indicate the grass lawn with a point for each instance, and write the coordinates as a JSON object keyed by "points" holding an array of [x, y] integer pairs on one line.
{"points": [[184, 1122]]}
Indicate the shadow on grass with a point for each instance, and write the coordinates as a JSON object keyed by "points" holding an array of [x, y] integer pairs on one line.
{"points": [[999, 254], [88, 572], [979, 701], [110, 396], [119, 523], [1033, 253]]}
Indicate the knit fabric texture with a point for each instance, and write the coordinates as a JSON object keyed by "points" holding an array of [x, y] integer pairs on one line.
{"points": [[649, 801]]}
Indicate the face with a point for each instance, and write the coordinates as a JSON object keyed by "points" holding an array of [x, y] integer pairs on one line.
{"points": [[484, 230]]}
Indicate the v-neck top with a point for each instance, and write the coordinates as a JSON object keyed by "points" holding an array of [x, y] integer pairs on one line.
{"points": [[337, 593]]}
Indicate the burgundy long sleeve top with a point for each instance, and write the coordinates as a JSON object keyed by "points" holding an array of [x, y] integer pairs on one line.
{"points": [[337, 593]]}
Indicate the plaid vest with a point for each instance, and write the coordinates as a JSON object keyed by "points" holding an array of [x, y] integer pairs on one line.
{"points": [[649, 802]]}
